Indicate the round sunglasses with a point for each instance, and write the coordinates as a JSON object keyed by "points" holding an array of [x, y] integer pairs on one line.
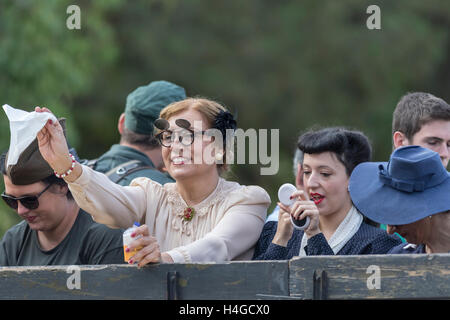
{"points": [[29, 202]]}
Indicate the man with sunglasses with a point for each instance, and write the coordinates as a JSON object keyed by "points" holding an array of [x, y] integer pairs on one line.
{"points": [[55, 231]]}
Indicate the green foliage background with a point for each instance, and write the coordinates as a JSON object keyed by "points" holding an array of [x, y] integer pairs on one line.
{"points": [[280, 64]]}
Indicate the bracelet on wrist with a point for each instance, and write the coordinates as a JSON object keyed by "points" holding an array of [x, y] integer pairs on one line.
{"points": [[65, 174]]}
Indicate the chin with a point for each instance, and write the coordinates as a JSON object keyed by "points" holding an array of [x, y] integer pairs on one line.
{"points": [[35, 226], [181, 173], [323, 211]]}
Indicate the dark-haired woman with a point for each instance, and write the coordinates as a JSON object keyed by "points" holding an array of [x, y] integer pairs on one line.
{"points": [[336, 227], [201, 217]]}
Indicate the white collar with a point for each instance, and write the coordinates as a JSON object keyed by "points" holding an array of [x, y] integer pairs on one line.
{"points": [[346, 230]]}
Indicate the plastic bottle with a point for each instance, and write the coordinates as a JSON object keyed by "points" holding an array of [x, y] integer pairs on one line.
{"points": [[127, 239]]}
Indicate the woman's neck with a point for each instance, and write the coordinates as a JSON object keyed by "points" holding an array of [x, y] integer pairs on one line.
{"points": [[329, 223], [195, 190]]}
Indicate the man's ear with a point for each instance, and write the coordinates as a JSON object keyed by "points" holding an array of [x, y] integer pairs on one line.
{"points": [[400, 139], [121, 123]]}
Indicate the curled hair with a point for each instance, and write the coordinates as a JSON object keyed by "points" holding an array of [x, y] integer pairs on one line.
{"points": [[216, 115], [350, 147]]}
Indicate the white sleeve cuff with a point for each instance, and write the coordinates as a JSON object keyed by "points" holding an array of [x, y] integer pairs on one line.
{"points": [[179, 255], [84, 178]]}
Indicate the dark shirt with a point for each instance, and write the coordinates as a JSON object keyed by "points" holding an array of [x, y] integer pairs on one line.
{"points": [[406, 248], [367, 240], [87, 242], [119, 154]]}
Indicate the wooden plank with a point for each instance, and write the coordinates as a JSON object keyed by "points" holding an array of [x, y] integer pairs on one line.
{"points": [[345, 277], [355, 277], [234, 280]]}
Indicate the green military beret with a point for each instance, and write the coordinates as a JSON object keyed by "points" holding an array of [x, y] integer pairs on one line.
{"points": [[145, 103], [31, 166]]}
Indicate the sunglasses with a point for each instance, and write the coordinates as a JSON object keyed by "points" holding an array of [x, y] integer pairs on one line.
{"points": [[29, 202], [185, 136]]}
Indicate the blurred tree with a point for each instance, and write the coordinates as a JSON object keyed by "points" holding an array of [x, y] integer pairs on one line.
{"points": [[284, 64], [44, 63], [287, 64]]}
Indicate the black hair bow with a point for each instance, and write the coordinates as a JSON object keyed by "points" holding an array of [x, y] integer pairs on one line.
{"points": [[224, 120]]}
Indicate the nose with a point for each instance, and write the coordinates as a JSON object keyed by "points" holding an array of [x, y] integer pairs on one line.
{"points": [[313, 180], [176, 149], [444, 153], [176, 142], [21, 209], [177, 145]]}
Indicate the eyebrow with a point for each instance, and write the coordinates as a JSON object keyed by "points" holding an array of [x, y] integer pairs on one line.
{"points": [[320, 167], [433, 138]]}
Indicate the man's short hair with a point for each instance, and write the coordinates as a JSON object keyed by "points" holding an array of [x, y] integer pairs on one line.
{"points": [[298, 159], [416, 109], [145, 141]]}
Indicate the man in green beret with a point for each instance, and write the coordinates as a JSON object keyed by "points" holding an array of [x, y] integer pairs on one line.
{"points": [[139, 153], [54, 230]]}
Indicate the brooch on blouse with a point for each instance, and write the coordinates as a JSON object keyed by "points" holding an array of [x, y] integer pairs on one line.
{"points": [[188, 214]]}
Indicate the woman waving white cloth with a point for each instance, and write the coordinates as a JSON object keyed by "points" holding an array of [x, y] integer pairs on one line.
{"points": [[201, 217]]}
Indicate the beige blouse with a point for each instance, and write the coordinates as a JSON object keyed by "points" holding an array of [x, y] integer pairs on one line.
{"points": [[226, 226]]}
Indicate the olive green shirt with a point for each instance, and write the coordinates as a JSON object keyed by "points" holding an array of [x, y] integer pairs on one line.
{"points": [[87, 242], [119, 154]]}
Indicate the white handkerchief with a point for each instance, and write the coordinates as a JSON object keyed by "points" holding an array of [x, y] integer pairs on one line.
{"points": [[24, 127]]}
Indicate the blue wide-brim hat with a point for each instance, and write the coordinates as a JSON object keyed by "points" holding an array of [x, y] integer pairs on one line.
{"points": [[411, 186]]}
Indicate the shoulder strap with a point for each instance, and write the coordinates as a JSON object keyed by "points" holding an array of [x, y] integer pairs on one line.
{"points": [[90, 163], [121, 171]]}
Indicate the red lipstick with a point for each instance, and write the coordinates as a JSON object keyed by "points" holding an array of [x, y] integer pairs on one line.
{"points": [[317, 198]]}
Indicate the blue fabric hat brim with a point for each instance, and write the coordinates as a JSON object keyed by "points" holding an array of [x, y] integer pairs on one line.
{"points": [[384, 204]]}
